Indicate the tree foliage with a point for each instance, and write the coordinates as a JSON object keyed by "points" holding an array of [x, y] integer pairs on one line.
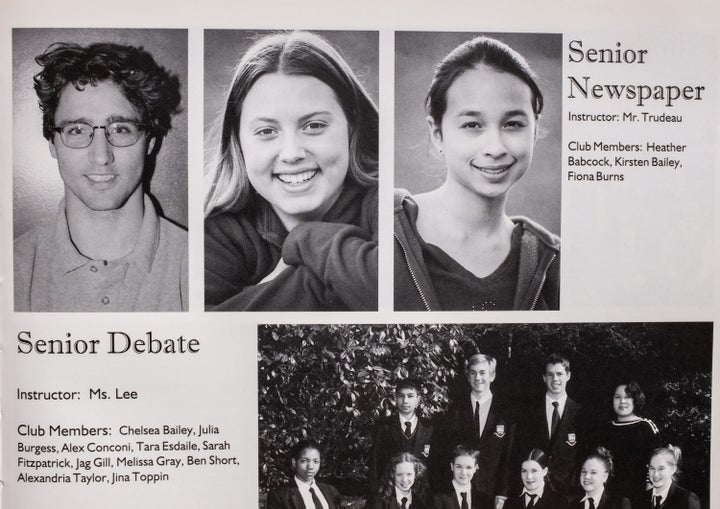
{"points": [[333, 382]]}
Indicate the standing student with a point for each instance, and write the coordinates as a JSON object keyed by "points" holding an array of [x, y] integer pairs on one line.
{"points": [[631, 439], [456, 248], [303, 492], [553, 425], [463, 494], [481, 421], [291, 198], [594, 474], [536, 493], [403, 484], [404, 431], [665, 492]]}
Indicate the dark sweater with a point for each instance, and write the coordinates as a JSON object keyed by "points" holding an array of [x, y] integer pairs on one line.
{"points": [[332, 263]]}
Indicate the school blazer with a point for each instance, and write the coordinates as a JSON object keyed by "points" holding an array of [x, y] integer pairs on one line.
{"points": [[448, 500], [678, 498], [288, 497], [607, 501], [562, 448], [549, 500], [389, 440], [494, 445]]}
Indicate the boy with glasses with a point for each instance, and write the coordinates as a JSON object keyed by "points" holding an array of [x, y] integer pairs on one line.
{"points": [[106, 108]]}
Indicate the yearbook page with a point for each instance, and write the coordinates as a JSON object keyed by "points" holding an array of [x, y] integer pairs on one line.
{"points": [[326, 254]]}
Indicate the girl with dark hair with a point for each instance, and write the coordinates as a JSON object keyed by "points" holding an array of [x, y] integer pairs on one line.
{"points": [[631, 439], [537, 493], [594, 474], [303, 492], [403, 484], [291, 184], [665, 492], [456, 248]]}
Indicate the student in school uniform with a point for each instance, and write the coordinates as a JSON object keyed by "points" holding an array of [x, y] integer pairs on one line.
{"points": [[665, 492], [594, 474], [536, 493], [403, 431], [482, 421], [303, 492], [403, 484], [553, 425], [462, 494]]}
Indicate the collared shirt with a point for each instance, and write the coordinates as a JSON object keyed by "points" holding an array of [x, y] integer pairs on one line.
{"points": [[52, 275], [413, 423], [307, 496], [663, 493], [549, 408], [596, 500], [458, 493], [538, 495], [485, 403], [399, 495]]}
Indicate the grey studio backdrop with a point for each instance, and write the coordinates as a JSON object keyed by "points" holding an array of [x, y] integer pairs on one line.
{"points": [[225, 48], [37, 186], [418, 168]]}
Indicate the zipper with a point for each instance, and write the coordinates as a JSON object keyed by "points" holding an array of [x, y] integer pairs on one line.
{"points": [[542, 283], [412, 274]]}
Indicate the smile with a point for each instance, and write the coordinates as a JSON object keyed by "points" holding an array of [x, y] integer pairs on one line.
{"points": [[100, 178], [492, 170], [296, 178]]}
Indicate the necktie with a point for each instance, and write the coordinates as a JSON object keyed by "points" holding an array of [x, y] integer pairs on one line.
{"points": [[403, 502], [464, 504], [477, 419], [555, 418], [591, 504], [316, 500], [657, 501], [408, 429], [531, 504]]}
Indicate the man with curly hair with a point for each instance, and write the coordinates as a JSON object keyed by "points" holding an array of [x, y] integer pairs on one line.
{"points": [[106, 108]]}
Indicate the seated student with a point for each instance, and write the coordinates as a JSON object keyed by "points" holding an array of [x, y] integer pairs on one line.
{"points": [[665, 493], [404, 431], [403, 484], [303, 492], [594, 475], [536, 493], [462, 494]]}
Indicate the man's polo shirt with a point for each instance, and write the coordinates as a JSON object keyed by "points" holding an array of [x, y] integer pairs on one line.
{"points": [[52, 275]]}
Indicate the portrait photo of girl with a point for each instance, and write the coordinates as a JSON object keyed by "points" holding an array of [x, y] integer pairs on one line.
{"points": [[469, 231], [291, 171]]}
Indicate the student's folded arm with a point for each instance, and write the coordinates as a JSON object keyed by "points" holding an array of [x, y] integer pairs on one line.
{"points": [[342, 256], [294, 289]]}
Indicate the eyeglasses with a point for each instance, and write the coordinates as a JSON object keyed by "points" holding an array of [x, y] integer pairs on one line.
{"points": [[118, 134]]}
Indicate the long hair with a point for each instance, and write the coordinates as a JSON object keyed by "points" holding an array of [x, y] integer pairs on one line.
{"points": [[296, 54], [387, 486]]}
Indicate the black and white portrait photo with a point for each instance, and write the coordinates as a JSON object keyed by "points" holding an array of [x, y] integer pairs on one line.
{"points": [[100, 170], [477, 171], [291, 176]]}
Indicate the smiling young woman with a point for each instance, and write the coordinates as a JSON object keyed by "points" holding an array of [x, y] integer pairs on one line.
{"points": [[456, 247], [291, 195]]}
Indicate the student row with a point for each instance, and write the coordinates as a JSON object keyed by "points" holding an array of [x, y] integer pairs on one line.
{"points": [[291, 176]]}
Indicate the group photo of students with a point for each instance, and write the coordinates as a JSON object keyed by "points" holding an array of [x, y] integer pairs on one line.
{"points": [[474, 416]]}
